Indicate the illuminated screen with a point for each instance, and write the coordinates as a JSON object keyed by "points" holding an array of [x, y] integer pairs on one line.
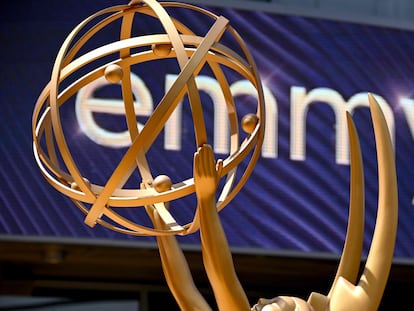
{"points": [[297, 197]]}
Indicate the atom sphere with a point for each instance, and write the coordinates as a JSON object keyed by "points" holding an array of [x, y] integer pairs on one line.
{"points": [[75, 67]]}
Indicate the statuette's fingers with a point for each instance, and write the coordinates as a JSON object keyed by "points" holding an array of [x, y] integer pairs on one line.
{"points": [[206, 175]]}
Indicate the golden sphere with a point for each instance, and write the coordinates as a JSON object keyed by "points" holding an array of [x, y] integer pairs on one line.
{"points": [[190, 53], [113, 73], [162, 183], [162, 49], [249, 122]]}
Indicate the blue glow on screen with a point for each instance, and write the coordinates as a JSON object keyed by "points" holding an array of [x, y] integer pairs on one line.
{"points": [[294, 200]]}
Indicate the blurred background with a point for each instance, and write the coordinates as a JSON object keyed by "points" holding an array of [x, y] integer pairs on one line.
{"points": [[286, 227]]}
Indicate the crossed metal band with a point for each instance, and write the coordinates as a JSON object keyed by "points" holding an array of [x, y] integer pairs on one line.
{"points": [[192, 53]]}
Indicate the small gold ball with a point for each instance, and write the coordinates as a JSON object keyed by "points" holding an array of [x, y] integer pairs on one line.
{"points": [[113, 73], [162, 49], [249, 122], [162, 183]]}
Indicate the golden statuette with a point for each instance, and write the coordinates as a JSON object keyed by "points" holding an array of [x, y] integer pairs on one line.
{"points": [[76, 66]]}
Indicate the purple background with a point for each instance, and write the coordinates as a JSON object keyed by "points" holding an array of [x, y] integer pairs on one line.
{"points": [[286, 204]]}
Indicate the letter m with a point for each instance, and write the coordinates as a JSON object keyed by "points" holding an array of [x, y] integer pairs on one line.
{"points": [[300, 102]]}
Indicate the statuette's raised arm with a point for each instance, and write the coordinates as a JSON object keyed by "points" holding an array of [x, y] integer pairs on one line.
{"points": [[217, 258]]}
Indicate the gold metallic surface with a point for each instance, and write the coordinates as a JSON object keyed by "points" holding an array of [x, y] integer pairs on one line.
{"points": [[347, 291], [192, 53], [249, 123]]}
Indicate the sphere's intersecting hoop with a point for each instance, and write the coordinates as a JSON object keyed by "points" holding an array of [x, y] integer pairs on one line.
{"points": [[192, 53]]}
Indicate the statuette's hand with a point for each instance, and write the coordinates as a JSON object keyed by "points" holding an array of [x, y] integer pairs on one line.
{"points": [[206, 172]]}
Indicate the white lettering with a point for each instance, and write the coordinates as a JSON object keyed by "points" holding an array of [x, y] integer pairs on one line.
{"points": [[270, 142], [172, 138], [87, 104], [407, 105], [300, 102]]}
